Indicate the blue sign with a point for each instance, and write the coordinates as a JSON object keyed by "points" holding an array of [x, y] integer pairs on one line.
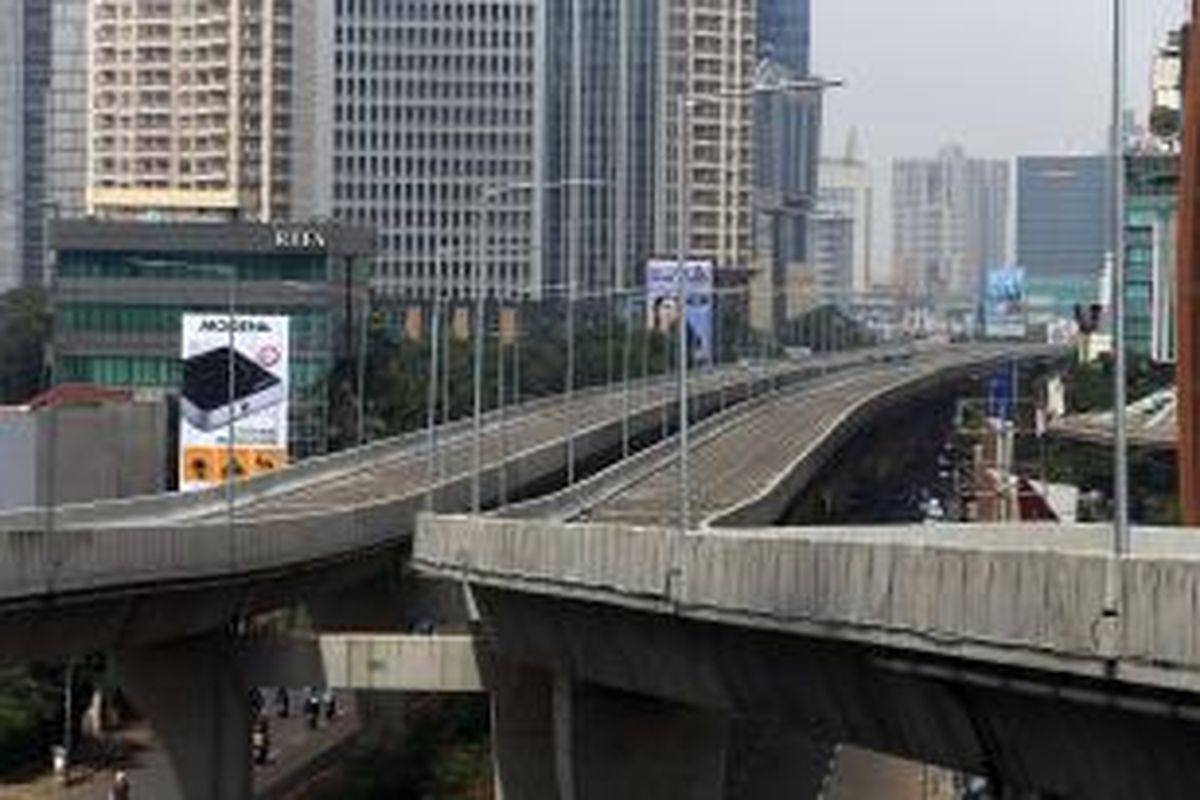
{"points": [[1001, 400]]}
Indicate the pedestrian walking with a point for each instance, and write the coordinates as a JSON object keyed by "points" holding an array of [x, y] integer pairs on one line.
{"points": [[283, 703], [312, 708], [260, 741], [120, 786], [330, 705]]}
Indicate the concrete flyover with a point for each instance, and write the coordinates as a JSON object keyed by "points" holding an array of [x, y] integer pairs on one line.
{"points": [[163, 582], [745, 471], [987, 649], [133, 572]]}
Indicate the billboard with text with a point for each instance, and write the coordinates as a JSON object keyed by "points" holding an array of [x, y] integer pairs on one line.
{"points": [[234, 385]]}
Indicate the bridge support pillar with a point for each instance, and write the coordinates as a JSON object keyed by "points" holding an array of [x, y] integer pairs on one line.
{"points": [[555, 739], [192, 693], [522, 700], [767, 761], [613, 744]]}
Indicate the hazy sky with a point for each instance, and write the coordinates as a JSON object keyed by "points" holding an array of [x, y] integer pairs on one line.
{"points": [[1001, 77]]}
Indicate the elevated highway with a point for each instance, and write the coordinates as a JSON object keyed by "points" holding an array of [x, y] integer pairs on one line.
{"points": [[162, 582], [1025, 654], [130, 572]]}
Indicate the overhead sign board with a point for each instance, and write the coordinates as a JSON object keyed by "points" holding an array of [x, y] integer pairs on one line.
{"points": [[235, 391]]}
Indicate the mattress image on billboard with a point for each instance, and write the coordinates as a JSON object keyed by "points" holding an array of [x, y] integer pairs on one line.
{"points": [[207, 401]]}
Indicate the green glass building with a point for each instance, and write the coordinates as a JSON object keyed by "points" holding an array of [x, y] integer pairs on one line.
{"points": [[120, 290], [1151, 228]]}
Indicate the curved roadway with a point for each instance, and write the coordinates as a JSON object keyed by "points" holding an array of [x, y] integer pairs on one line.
{"points": [[762, 454]]}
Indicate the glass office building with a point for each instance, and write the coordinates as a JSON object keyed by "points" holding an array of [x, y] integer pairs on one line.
{"points": [[121, 288], [1151, 225], [24, 77], [1061, 231]]}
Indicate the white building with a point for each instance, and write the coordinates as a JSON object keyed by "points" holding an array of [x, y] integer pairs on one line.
{"points": [[950, 224], [846, 191]]}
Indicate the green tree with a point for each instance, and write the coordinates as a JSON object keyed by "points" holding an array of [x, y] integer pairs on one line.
{"points": [[1164, 122], [24, 333]]}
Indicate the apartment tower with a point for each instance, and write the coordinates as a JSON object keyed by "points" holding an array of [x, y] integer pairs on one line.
{"points": [[190, 109], [709, 53]]}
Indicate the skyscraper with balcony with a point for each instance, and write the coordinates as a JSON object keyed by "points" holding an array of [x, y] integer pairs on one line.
{"points": [[190, 105], [708, 50]]}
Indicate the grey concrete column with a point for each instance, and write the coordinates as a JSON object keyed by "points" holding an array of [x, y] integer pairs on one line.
{"points": [[611, 744], [523, 753], [192, 694], [767, 760]]}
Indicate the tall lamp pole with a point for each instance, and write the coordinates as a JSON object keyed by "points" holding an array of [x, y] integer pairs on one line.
{"points": [[1121, 537]]}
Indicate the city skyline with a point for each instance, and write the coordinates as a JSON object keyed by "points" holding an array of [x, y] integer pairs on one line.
{"points": [[1052, 100]]}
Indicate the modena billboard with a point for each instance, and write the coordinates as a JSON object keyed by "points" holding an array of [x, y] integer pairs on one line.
{"points": [[239, 391]]}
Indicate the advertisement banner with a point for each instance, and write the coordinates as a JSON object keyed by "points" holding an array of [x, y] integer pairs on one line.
{"points": [[1004, 303], [243, 391], [662, 303]]}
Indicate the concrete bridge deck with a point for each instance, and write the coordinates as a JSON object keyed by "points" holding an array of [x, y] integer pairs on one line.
{"points": [[991, 650]]}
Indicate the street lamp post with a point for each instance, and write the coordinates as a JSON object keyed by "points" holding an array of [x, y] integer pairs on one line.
{"points": [[1121, 535], [435, 337], [683, 232]]}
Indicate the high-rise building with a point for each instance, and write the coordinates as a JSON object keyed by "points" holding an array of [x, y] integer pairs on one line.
{"points": [[190, 105], [787, 141], [599, 136], [1151, 228], [950, 225], [421, 109], [1061, 231], [67, 108], [846, 191], [24, 77], [831, 242], [709, 54]]}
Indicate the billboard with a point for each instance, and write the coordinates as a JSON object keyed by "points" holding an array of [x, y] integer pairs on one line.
{"points": [[662, 303], [1005, 303], [241, 391]]}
